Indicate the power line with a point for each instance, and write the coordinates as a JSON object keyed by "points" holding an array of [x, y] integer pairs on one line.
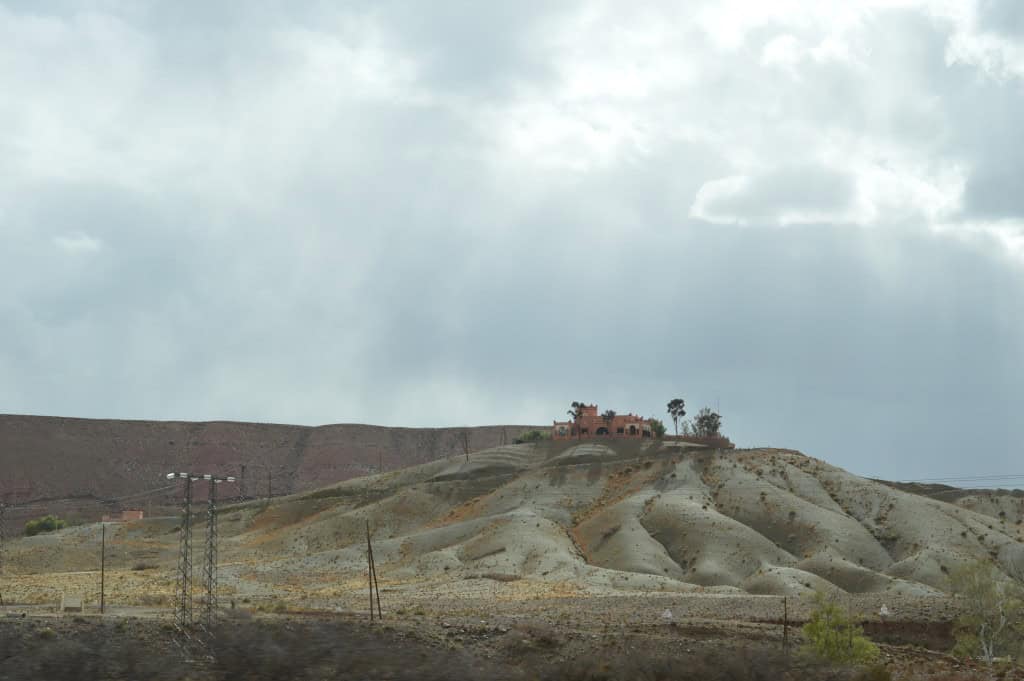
{"points": [[81, 503], [967, 478]]}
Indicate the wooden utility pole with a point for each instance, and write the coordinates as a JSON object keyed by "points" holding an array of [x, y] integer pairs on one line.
{"points": [[376, 584], [849, 619], [103, 567], [3, 533], [369, 567], [371, 574], [785, 623]]}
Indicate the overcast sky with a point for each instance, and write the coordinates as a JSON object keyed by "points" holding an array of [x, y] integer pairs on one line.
{"points": [[407, 213]]}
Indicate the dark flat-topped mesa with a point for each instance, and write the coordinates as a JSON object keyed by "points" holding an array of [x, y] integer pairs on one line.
{"points": [[85, 467]]}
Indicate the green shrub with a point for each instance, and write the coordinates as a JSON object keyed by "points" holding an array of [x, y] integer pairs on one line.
{"points": [[991, 621], [657, 427], [832, 636], [47, 523], [532, 436]]}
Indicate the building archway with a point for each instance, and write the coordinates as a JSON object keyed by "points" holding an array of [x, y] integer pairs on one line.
{"points": [[602, 431]]}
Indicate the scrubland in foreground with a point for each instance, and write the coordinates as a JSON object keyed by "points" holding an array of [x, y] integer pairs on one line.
{"points": [[314, 649]]}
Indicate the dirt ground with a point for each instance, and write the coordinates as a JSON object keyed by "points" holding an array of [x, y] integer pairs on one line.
{"points": [[628, 637]]}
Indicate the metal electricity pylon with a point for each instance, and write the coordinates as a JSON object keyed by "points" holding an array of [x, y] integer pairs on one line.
{"points": [[183, 587], [210, 571]]}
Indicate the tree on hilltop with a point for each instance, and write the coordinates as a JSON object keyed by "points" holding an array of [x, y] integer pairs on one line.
{"points": [[707, 423], [677, 410], [657, 427], [576, 411]]}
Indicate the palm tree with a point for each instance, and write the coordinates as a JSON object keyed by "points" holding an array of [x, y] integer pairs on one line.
{"points": [[677, 410], [576, 412]]}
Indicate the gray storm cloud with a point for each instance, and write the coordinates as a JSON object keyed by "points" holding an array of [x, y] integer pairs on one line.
{"points": [[412, 215]]}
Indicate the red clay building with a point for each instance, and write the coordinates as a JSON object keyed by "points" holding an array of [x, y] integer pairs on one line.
{"points": [[591, 424]]}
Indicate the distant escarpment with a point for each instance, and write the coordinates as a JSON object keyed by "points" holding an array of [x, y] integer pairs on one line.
{"points": [[81, 467]]}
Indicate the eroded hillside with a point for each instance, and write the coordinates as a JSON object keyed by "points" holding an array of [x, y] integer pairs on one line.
{"points": [[588, 517]]}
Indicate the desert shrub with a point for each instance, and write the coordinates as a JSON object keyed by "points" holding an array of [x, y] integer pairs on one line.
{"points": [[876, 672], [48, 523], [756, 665], [532, 436], [68, 660], [273, 605], [138, 567], [297, 651], [87, 650], [832, 636], [541, 635], [153, 599]]}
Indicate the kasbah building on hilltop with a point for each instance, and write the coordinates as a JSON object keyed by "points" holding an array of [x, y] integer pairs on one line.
{"points": [[592, 424]]}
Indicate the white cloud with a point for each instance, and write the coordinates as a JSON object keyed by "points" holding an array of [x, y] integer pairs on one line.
{"points": [[997, 56], [77, 243], [784, 51]]}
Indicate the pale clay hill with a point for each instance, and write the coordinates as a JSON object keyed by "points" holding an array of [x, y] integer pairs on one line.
{"points": [[651, 516]]}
